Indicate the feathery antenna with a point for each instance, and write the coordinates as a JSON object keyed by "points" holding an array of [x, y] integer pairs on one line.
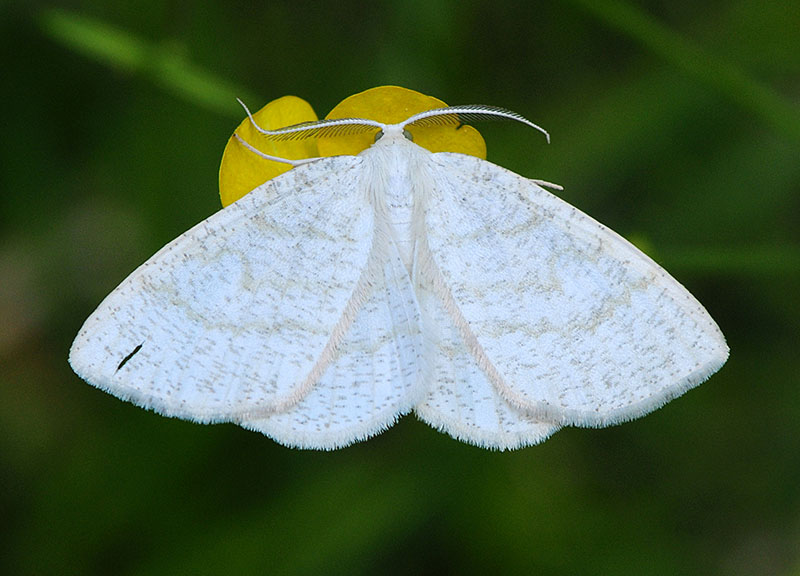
{"points": [[455, 115], [317, 128], [449, 116]]}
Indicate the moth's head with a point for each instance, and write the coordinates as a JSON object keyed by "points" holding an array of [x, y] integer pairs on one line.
{"points": [[393, 132]]}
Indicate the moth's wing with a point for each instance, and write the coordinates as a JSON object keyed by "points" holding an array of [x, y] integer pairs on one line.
{"points": [[569, 321], [374, 376], [236, 318], [461, 400]]}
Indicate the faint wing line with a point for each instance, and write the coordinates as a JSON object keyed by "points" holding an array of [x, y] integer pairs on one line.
{"points": [[430, 271], [361, 293]]}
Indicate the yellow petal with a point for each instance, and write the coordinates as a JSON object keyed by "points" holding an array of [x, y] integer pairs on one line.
{"points": [[241, 170], [392, 104]]}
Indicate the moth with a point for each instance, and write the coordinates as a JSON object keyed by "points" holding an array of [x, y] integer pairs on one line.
{"points": [[351, 290]]}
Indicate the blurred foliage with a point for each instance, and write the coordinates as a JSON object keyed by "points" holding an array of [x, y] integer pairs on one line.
{"points": [[676, 123]]}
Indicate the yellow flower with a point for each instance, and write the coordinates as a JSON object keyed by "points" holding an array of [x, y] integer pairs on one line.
{"points": [[241, 170]]}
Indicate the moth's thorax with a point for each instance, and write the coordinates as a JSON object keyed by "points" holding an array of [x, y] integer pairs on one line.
{"points": [[396, 180]]}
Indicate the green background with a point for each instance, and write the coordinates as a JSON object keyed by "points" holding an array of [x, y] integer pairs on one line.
{"points": [[675, 123]]}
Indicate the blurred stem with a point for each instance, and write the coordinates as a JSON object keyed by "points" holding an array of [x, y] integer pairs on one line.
{"points": [[163, 63], [682, 53]]}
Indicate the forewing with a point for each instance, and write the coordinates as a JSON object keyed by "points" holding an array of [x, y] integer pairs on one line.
{"points": [[374, 375], [232, 318], [568, 320]]}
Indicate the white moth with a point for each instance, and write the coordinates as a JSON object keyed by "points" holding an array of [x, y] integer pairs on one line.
{"points": [[351, 290]]}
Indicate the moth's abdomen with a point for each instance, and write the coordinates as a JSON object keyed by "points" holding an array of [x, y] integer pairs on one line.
{"points": [[400, 220]]}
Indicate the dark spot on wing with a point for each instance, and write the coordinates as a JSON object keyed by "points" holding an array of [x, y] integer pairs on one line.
{"points": [[129, 356]]}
